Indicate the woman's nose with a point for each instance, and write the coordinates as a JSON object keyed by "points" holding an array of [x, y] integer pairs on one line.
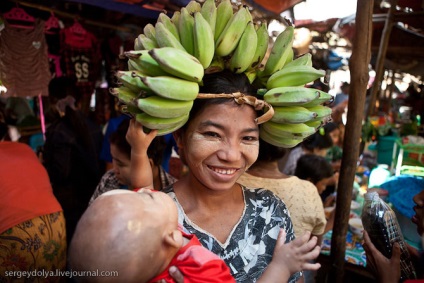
{"points": [[230, 151]]}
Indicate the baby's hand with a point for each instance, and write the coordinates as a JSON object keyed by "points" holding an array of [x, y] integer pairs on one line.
{"points": [[138, 139], [296, 255]]}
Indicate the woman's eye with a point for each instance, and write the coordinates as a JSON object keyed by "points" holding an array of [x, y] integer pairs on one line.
{"points": [[211, 134], [250, 138]]}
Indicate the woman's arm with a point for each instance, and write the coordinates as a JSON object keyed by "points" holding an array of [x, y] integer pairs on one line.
{"points": [[141, 171]]}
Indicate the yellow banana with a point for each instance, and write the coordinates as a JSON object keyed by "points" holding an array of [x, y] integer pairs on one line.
{"points": [[230, 36], [204, 45], [141, 60], [209, 13], [162, 107], [172, 88], [245, 50], [157, 123], [294, 76], [166, 21], [165, 38], [193, 7], [293, 114], [283, 142], [290, 96], [280, 51], [178, 63], [261, 46], [224, 12], [185, 28], [284, 130]]}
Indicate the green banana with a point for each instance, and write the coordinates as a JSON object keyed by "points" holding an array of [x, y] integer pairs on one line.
{"points": [[172, 88], [166, 21], [132, 82], [261, 46], [294, 76], [204, 45], [243, 54], [208, 11], [149, 31], [251, 75], [130, 109], [178, 63], [224, 12], [292, 114], [153, 122], [185, 28], [193, 7], [322, 99], [172, 129], [165, 38], [280, 50], [314, 124], [284, 130], [162, 107], [142, 42], [142, 61], [232, 33], [323, 112], [303, 60], [278, 141], [290, 96], [124, 95], [175, 19], [217, 65]]}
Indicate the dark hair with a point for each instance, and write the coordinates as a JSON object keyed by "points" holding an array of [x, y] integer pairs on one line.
{"points": [[155, 150], [313, 167], [220, 82], [4, 129], [269, 152], [318, 140], [329, 127]]}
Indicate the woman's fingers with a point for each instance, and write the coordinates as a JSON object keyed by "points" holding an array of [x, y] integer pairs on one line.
{"points": [[176, 274]]}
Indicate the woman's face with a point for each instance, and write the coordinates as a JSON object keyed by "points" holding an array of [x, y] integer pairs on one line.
{"points": [[322, 184], [220, 144], [121, 165], [335, 136]]}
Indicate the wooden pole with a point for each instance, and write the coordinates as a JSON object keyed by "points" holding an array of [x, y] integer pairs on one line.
{"points": [[381, 56], [358, 65]]}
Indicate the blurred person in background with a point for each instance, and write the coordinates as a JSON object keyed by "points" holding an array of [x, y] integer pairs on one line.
{"points": [[71, 152]]}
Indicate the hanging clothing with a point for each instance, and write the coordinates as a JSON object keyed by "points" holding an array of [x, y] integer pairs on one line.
{"points": [[24, 64], [80, 60]]}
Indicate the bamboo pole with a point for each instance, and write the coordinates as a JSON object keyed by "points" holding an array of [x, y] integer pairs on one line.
{"points": [[358, 65], [381, 56]]}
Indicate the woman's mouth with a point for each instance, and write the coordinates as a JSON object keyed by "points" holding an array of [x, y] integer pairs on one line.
{"points": [[223, 171]]}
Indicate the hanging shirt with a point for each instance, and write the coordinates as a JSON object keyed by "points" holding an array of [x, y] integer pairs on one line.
{"points": [[24, 64]]}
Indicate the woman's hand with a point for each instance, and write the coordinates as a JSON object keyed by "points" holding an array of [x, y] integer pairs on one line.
{"points": [[386, 270]]}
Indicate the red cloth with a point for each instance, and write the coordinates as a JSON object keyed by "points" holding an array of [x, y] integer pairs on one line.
{"points": [[25, 190], [197, 264]]}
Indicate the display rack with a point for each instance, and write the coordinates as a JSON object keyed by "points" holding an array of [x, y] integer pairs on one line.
{"points": [[408, 158]]}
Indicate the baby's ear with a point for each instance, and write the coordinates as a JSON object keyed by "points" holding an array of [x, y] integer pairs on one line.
{"points": [[174, 239]]}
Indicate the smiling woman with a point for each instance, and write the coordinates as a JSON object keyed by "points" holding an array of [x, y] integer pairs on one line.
{"points": [[245, 227]]}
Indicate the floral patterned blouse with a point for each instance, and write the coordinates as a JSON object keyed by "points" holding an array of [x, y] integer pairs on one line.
{"points": [[250, 246]]}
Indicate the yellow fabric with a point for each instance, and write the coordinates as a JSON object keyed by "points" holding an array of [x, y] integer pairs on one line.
{"points": [[38, 245], [300, 196]]}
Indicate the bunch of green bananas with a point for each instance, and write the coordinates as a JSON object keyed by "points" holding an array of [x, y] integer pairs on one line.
{"points": [[170, 58]]}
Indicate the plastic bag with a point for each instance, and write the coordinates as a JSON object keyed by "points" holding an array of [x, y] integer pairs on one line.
{"points": [[380, 222]]}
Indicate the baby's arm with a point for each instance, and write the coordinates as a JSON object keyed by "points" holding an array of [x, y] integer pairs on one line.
{"points": [[291, 258], [141, 170]]}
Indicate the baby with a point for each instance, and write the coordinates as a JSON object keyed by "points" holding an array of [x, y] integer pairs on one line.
{"points": [[137, 235]]}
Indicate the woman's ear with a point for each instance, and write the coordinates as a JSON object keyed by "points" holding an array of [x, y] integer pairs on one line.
{"points": [[178, 138], [174, 239]]}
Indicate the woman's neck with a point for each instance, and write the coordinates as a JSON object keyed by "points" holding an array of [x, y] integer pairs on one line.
{"points": [[266, 169]]}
